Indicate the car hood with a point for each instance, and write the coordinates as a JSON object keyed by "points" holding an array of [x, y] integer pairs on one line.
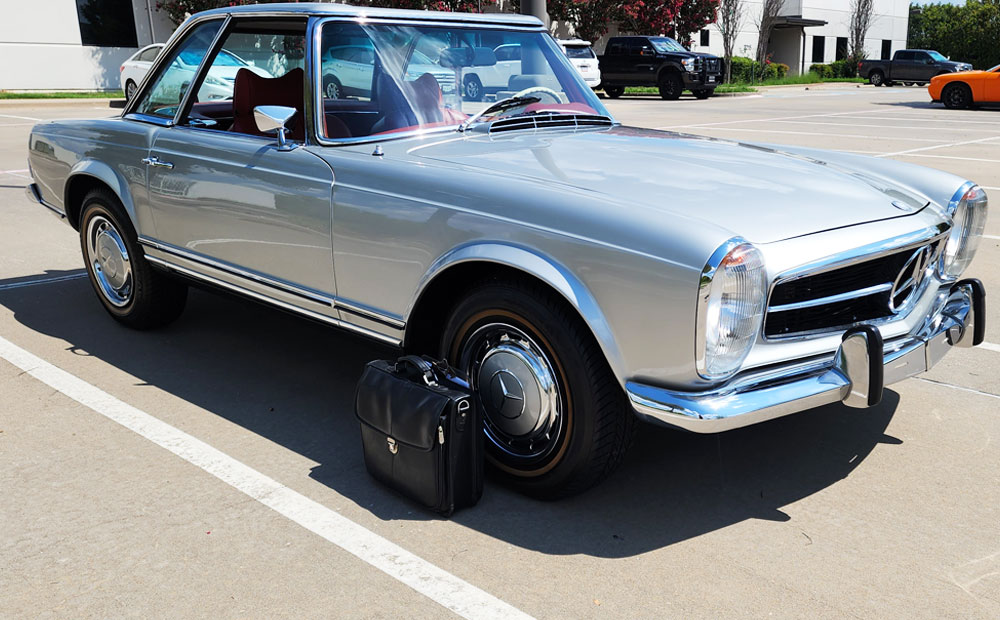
{"points": [[758, 192]]}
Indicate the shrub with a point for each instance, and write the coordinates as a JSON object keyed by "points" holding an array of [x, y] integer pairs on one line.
{"points": [[823, 71], [844, 68]]}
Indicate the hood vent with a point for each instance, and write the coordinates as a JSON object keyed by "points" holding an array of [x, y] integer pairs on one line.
{"points": [[547, 120]]}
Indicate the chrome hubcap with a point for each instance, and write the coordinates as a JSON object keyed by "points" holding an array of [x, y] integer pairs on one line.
{"points": [[109, 261], [332, 92], [517, 390]]}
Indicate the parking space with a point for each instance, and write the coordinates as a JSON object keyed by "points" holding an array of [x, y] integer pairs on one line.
{"points": [[213, 469]]}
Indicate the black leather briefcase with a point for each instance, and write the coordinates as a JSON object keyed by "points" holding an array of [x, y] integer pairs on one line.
{"points": [[421, 431]]}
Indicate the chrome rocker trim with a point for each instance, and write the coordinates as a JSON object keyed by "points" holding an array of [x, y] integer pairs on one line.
{"points": [[855, 374]]}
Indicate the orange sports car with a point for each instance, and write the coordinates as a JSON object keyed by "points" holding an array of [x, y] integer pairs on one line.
{"points": [[966, 89]]}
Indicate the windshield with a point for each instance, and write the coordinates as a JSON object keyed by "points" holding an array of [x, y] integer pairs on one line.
{"points": [[579, 51], [422, 77], [936, 56], [666, 44], [996, 68]]}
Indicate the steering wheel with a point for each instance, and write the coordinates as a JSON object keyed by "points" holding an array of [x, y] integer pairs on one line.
{"points": [[543, 90]]}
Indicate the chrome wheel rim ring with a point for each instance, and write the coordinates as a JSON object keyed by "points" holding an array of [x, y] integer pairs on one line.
{"points": [[518, 392], [109, 261], [471, 89], [332, 91]]}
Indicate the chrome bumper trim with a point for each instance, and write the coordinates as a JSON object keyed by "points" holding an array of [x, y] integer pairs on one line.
{"points": [[31, 191], [957, 322]]}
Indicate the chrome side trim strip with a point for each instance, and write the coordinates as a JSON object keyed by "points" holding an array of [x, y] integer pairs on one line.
{"points": [[332, 302], [832, 299], [236, 271], [275, 302]]}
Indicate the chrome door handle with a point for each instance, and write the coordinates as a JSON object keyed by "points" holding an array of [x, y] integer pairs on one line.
{"points": [[155, 161]]}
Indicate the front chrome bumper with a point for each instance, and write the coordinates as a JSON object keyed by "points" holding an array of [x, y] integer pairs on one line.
{"points": [[855, 374], [34, 195]]}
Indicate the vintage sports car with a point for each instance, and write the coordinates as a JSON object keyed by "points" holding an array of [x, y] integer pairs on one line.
{"points": [[584, 274], [966, 89]]}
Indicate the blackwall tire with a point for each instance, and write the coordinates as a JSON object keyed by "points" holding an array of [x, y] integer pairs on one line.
{"points": [[128, 287], [614, 92], [671, 86], [957, 96], [876, 78], [556, 420]]}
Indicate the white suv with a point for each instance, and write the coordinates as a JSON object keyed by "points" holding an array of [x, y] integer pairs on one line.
{"points": [[584, 59]]}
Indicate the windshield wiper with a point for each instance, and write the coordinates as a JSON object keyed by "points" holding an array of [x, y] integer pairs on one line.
{"points": [[504, 104]]}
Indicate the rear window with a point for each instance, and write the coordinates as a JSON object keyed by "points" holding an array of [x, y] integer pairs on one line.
{"points": [[579, 51]]}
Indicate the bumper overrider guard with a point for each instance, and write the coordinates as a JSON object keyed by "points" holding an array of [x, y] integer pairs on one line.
{"points": [[855, 375]]}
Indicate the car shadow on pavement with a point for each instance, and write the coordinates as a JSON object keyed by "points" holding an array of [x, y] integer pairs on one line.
{"points": [[292, 381], [934, 107]]}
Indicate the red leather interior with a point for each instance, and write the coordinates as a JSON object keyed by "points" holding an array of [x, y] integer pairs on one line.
{"points": [[251, 90], [425, 100]]}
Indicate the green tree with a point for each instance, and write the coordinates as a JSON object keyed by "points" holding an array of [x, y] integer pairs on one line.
{"points": [[969, 33]]}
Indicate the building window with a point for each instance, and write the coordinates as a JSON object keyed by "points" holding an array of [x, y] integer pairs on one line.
{"points": [[819, 49], [106, 23], [704, 38], [841, 48], [886, 49]]}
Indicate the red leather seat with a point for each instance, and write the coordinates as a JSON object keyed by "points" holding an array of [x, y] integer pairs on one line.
{"points": [[252, 90]]}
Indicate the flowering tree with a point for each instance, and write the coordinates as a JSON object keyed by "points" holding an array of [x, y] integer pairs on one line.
{"points": [[677, 18], [179, 10]]}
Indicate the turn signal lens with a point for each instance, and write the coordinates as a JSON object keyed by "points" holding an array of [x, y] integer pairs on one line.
{"points": [[731, 308]]}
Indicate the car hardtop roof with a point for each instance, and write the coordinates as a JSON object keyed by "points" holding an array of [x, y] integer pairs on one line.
{"points": [[330, 9], [574, 42]]}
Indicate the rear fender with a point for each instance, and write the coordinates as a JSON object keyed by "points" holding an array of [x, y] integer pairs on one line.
{"points": [[106, 175]]}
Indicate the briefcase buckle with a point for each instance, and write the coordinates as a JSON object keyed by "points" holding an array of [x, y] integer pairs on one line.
{"points": [[392, 445]]}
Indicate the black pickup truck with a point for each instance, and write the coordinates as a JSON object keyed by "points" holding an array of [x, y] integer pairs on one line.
{"points": [[909, 67], [660, 62]]}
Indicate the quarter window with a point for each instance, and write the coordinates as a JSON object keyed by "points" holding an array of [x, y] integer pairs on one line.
{"points": [[167, 90], [150, 54]]}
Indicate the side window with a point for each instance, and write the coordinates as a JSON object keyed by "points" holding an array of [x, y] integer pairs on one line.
{"points": [[921, 56], [616, 48], [260, 63], [904, 55], [167, 90], [150, 54]]}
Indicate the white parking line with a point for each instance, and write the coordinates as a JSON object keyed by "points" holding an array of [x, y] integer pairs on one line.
{"points": [[435, 583], [26, 118], [910, 118], [953, 157], [75, 276], [939, 146], [883, 126], [992, 237], [957, 387], [989, 346], [761, 120]]}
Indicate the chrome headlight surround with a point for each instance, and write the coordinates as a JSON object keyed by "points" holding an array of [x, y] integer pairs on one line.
{"points": [[731, 299], [968, 209], [688, 64]]}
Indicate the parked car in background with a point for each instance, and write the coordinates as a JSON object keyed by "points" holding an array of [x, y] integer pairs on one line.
{"points": [[660, 62], [492, 75], [136, 67], [582, 274], [967, 89], [909, 67], [582, 55], [348, 71]]}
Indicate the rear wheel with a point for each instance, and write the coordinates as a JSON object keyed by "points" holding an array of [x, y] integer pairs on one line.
{"points": [[473, 88], [671, 86], [614, 91], [130, 89], [876, 78], [556, 420], [131, 291], [957, 96]]}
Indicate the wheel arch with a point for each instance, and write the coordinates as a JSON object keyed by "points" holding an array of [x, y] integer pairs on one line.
{"points": [[90, 174], [450, 275]]}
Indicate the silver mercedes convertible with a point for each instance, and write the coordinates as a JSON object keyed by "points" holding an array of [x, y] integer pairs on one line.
{"points": [[407, 176]]}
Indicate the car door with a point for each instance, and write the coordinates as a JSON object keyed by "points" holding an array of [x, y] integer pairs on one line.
{"points": [[902, 66], [991, 86], [230, 204]]}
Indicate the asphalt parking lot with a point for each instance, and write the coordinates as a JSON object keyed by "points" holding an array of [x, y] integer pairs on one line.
{"points": [[123, 493]]}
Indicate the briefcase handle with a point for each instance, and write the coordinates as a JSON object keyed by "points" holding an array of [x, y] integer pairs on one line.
{"points": [[425, 367]]}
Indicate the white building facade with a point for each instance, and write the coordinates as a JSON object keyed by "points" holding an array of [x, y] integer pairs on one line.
{"points": [[74, 44], [814, 31]]}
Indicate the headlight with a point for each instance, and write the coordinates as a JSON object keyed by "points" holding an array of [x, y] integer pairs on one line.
{"points": [[730, 308], [214, 81], [968, 209], [688, 64]]}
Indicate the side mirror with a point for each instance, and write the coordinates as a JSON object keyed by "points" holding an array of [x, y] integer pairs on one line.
{"points": [[647, 52], [455, 57], [274, 118]]}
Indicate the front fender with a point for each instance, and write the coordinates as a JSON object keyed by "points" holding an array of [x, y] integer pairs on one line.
{"points": [[541, 267], [106, 175]]}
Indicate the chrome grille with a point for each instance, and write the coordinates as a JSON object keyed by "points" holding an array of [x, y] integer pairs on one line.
{"points": [[543, 120], [870, 290], [713, 65]]}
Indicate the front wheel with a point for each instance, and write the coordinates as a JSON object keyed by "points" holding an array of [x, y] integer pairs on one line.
{"points": [[332, 88], [473, 88], [671, 86], [957, 96], [555, 418], [614, 91], [132, 292]]}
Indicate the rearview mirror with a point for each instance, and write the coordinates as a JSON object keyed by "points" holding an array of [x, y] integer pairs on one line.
{"points": [[274, 118], [455, 57]]}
